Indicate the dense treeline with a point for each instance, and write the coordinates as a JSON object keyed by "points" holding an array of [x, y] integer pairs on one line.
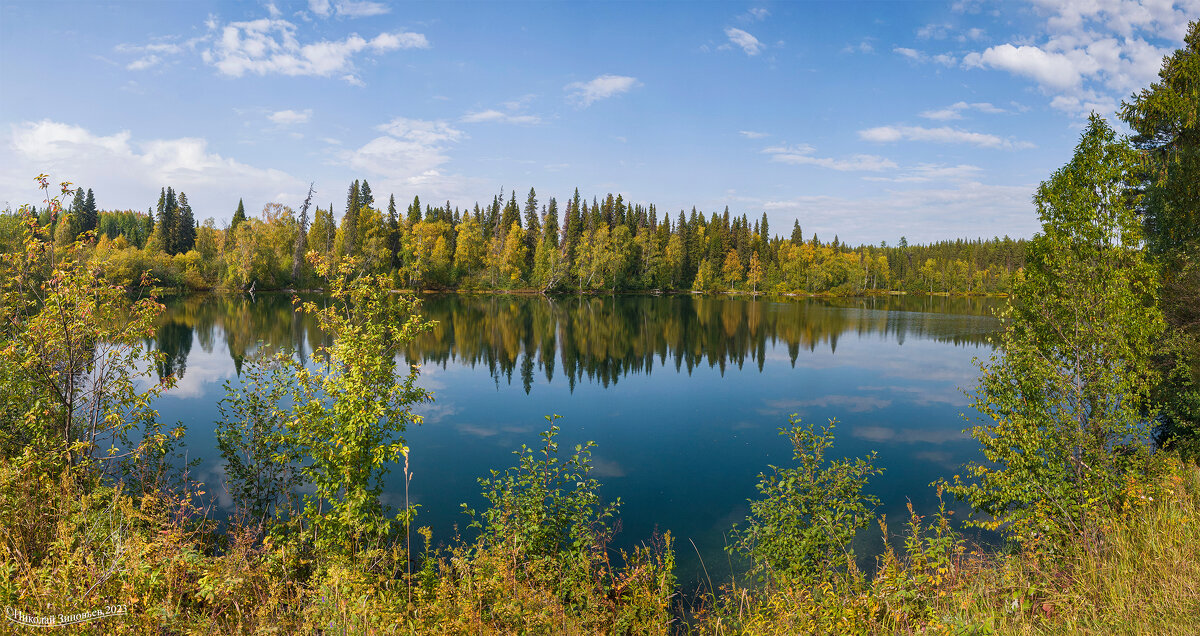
{"points": [[605, 245]]}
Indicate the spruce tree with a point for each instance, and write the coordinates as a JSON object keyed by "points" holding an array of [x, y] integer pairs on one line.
{"points": [[238, 217], [185, 228], [350, 221], [393, 241], [91, 217]]}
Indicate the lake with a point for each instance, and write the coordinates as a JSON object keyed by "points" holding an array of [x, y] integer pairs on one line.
{"points": [[684, 395]]}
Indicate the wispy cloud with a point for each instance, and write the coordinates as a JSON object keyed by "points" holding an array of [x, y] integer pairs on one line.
{"points": [[804, 154], [269, 46], [943, 135], [752, 134], [944, 59], [492, 115], [347, 8], [955, 110], [602, 87], [290, 117], [747, 42]]}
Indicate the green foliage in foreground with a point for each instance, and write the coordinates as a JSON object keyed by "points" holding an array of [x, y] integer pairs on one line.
{"points": [[802, 527], [1067, 388]]}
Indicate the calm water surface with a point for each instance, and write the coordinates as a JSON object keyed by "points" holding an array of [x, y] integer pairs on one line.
{"points": [[683, 395]]}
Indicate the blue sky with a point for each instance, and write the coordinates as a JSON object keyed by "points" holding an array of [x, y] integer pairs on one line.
{"points": [[871, 121]]}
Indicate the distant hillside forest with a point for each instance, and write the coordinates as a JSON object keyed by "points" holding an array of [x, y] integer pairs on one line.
{"points": [[608, 245]]}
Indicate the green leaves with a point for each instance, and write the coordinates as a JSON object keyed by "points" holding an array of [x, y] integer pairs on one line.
{"points": [[1065, 393], [804, 523]]}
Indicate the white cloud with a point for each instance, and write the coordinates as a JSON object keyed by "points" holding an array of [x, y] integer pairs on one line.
{"points": [[864, 46], [267, 46], [759, 13], [492, 115], [747, 42], [290, 117], [968, 209], [751, 134], [955, 110], [803, 154], [1053, 70], [151, 55], [409, 157], [132, 172], [919, 56], [347, 8], [926, 172], [944, 134], [1093, 52], [603, 87]]}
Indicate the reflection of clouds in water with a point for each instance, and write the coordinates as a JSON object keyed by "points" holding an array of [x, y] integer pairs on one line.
{"points": [[849, 403], [906, 435], [477, 431], [607, 468], [940, 458], [434, 413], [924, 395], [924, 359], [203, 372], [427, 376]]}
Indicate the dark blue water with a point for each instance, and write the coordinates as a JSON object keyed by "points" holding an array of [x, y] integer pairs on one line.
{"points": [[683, 395]]}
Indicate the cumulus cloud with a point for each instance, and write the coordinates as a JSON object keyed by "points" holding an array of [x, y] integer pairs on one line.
{"points": [[944, 135], [290, 117], [804, 154], [1054, 70], [133, 171], [603, 87], [270, 46], [1092, 53]]}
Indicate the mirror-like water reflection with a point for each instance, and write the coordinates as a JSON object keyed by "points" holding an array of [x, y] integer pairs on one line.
{"points": [[683, 394]]}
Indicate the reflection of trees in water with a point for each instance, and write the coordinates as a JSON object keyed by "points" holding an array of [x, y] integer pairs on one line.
{"points": [[605, 338], [600, 338], [243, 321], [174, 340]]}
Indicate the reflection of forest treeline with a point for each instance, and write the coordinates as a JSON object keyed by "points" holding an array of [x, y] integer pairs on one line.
{"points": [[600, 338]]}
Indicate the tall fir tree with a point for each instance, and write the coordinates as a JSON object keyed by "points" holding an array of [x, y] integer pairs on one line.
{"points": [[350, 221], [91, 217], [185, 226], [238, 217]]}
